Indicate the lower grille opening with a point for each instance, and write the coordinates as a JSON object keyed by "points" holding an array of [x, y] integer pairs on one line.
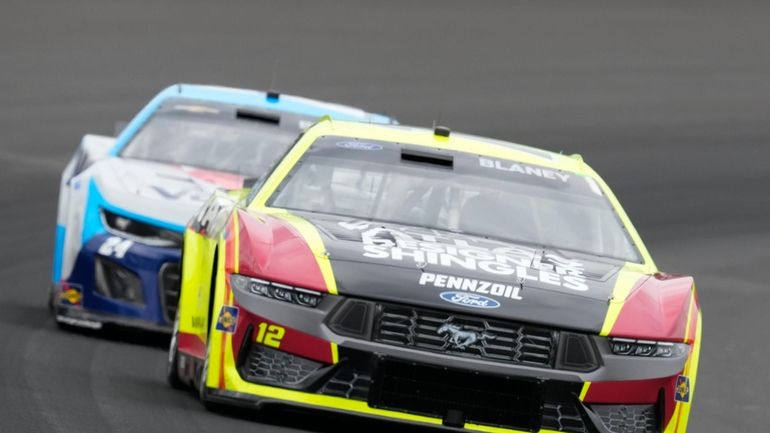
{"points": [[115, 281], [437, 392], [272, 367], [563, 417], [349, 383], [628, 418], [170, 285]]}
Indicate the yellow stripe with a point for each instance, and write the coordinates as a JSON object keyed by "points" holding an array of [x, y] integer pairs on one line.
{"points": [[692, 373], [236, 243], [216, 339], [679, 422], [335, 353], [627, 277], [584, 391], [313, 239]]}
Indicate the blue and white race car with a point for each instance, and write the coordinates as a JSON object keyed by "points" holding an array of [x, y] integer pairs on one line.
{"points": [[124, 201]]}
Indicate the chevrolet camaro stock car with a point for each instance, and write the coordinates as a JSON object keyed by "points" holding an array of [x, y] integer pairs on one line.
{"points": [[435, 278], [124, 202]]}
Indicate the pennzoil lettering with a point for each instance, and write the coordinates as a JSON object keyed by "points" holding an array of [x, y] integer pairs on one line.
{"points": [[525, 264], [480, 287]]}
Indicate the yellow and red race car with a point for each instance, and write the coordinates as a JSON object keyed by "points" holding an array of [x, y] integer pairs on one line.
{"points": [[435, 278]]}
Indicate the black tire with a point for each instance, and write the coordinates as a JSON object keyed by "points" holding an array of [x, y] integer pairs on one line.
{"points": [[172, 362], [203, 391], [51, 301]]}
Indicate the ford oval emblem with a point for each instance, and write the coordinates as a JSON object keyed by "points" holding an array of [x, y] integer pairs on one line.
{"points": [[469, 300]]}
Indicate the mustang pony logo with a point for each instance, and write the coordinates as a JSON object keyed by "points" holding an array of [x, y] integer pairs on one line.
{"points": [[461, 339]]}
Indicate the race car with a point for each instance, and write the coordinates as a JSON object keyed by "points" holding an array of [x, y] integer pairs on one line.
{"points": [[436, 278], [124, 202]]}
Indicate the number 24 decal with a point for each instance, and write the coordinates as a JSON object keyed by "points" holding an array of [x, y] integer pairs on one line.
{"points": [[115, 246], [270, 335]]}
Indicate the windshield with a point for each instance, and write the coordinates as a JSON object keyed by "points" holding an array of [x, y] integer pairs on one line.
{"points": [[211, 138], [457, 192]]}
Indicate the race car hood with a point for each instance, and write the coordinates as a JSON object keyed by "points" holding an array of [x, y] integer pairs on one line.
{"points": [[168, 193], [467, 274]]}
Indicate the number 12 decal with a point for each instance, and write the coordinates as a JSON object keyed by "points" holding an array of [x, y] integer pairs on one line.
{"points": [[270, 335]]}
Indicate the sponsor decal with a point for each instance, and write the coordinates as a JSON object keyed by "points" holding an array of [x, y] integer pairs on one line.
{"points": [[359, 145], [71, 295], [682, 391], [459, 338], [479, 287], [431, 247], [228, 319], [527, 170], [469, 300]]}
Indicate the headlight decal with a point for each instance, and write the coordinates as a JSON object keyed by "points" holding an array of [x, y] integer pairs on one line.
{"points": [[277, 291], [647, 349]]}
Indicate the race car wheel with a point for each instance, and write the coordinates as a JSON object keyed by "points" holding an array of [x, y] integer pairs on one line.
{"points": [[172, 366], [51, 300]]}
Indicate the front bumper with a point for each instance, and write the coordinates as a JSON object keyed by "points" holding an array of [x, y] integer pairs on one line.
{"points": [[318, 367], [79, 302]]}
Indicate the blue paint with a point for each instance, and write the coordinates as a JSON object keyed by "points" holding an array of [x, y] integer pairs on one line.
{"points": [[58, 253], [143, 260]]}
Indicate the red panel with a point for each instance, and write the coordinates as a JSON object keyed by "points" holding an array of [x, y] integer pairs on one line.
{"points": [[634, 392], [218, 178], [293, 341], [657, 310], [191, 344], [273, 250]]}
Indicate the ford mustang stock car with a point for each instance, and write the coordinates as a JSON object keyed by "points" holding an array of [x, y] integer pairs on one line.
{"points": [[124, 201], [434, 278]]}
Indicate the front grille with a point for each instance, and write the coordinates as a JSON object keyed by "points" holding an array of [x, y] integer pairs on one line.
{"points": [[273, 367], [563, 417], [169, 279], [628, 418], [459, 396], [465, 336], [349, 383]]}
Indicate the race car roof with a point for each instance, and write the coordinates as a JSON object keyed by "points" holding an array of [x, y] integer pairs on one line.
{"points": [[246, 98], [454, 142]]}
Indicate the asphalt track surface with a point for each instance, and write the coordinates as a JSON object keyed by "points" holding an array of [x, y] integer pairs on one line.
{"points": [[670, 101]]}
